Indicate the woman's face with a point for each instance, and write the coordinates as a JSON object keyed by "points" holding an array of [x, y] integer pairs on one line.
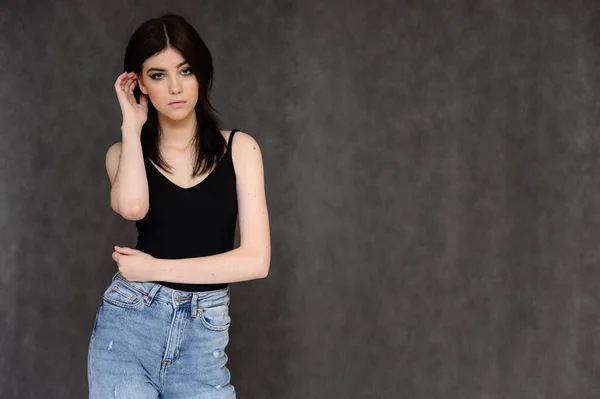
{"points": [[166, 77]]}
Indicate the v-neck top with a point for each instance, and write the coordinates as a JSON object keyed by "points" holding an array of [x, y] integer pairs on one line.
{"points": [[190, 222]]}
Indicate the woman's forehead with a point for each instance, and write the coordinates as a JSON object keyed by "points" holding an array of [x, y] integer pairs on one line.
{"points": [[165, 59]]}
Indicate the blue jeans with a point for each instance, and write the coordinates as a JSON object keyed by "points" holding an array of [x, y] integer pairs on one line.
{"points": [[150, 341]]}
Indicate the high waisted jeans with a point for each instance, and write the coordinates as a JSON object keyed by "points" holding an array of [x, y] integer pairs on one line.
{"points": [[150, 341]]}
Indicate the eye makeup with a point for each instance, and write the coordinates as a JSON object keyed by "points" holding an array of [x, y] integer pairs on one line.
{"points": [[187, 70]]}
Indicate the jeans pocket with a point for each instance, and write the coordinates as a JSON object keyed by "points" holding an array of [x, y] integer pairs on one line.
{"points": [[123, 295], [215, 317]]}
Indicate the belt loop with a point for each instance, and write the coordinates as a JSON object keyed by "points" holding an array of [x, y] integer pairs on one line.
{"points": [[148, 298], [194, 304]]}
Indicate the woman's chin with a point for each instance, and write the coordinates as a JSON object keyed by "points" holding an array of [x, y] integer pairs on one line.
{"points": [[177, 114]]}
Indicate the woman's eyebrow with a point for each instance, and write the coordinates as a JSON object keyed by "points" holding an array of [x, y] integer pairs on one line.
{"points": [[163, 70]]}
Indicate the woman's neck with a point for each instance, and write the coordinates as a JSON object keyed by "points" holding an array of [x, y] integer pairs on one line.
{"points": [[177, 135]]}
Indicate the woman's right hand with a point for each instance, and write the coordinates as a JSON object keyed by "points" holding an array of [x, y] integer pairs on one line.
{"points": [[134, 114]]}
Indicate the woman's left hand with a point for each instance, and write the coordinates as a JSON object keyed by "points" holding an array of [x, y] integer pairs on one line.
{"points": [[133, 264]]}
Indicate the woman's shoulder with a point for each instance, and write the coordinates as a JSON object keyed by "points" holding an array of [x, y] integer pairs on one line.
{"points": [[244, 148], [239, 136]]}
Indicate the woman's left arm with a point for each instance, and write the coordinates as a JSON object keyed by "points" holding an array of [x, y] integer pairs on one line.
{"points": [[251, 260]]}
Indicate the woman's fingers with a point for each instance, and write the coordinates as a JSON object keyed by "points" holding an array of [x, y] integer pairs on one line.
{"points": [[121, 83], [125, 85], [124, 79], [130, 80], [125, 250], [132, 85]]}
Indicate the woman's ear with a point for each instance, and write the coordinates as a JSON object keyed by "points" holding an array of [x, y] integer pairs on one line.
{"points": [[142, 87]]}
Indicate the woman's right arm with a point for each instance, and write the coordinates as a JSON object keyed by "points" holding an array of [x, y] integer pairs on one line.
{"points": [[124, 160], [127, 174]]}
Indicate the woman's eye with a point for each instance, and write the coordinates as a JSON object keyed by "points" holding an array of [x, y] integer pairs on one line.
{"points": [[158, 76]]}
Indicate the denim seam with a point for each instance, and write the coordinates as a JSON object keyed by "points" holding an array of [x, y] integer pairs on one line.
{"points": [[89, 368], [210, 326], [179, 338], [124, 305], [165, 362], [143, 292]]}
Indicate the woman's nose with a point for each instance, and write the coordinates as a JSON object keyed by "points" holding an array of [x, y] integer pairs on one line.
{"points": [[175, 86]]}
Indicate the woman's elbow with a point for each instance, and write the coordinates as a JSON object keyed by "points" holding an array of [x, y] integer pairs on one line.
{"points": [[264, 266], [134, 212]]}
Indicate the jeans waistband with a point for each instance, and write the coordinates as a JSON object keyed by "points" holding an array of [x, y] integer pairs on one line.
{"points": [[153, 291]]}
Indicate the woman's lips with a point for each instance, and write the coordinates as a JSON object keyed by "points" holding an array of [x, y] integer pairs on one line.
{"points": [[177, 104]]}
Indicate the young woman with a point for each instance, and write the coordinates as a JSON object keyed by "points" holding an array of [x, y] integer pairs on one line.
{"points": [[162, 326]]}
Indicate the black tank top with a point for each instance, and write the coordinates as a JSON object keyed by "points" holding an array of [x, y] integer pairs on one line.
{"points": [[190, 222]]}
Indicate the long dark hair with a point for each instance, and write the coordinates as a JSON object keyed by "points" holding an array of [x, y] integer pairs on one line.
{"points": [[174, 31]]}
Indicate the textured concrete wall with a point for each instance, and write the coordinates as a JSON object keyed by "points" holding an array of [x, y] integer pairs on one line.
{"points": [[432, 176]]}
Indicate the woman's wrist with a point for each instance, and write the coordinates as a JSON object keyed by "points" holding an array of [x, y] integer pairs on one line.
{"points": [[130, 131]]}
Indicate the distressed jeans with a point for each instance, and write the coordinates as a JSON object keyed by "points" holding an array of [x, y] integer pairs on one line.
{"points": [[150, 341]]}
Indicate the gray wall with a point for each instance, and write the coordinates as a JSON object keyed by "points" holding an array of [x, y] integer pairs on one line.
{"points": [[432, 176]]}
